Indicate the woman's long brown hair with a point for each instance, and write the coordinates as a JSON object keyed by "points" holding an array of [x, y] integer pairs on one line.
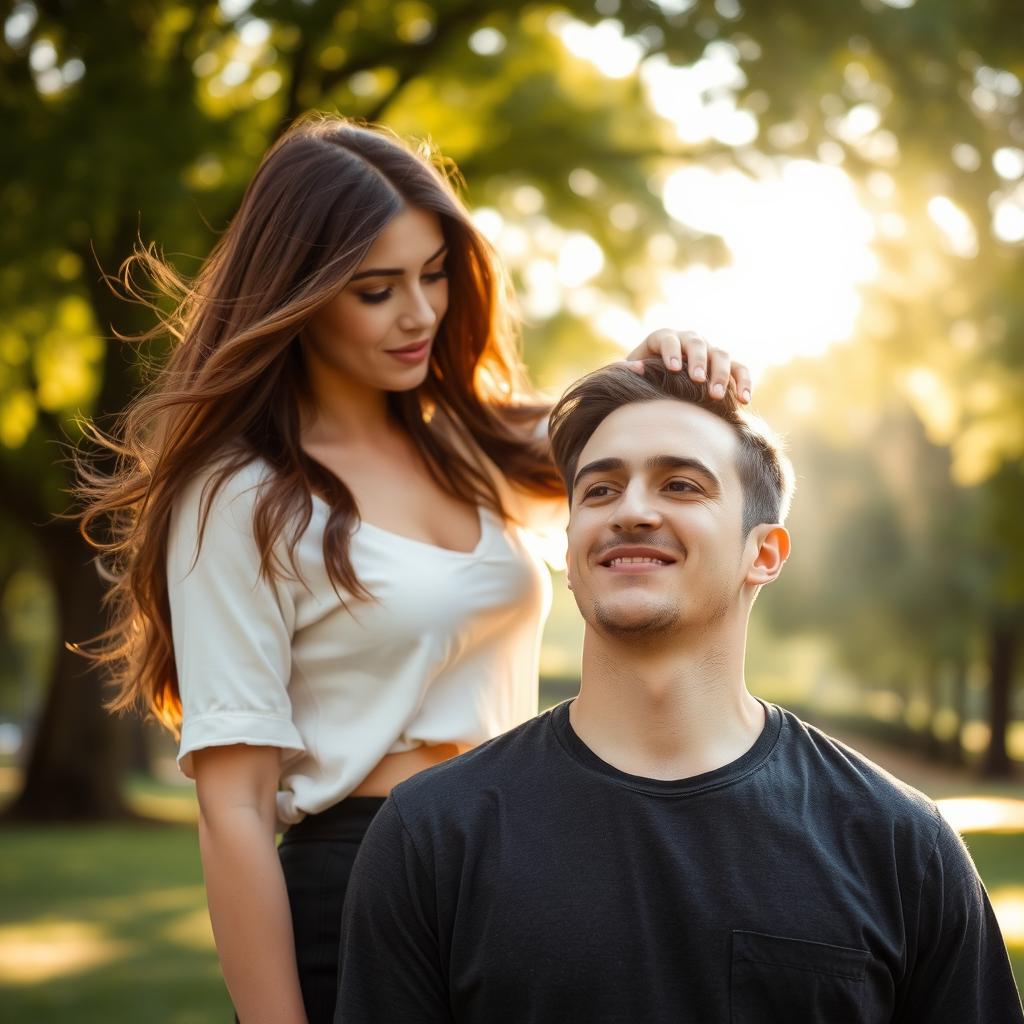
{"points": [[231, 390]]}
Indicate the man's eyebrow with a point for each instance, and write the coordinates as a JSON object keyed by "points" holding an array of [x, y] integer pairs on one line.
{"points": [[394, 271], [681, 462], [597, 466], [610, 465]]}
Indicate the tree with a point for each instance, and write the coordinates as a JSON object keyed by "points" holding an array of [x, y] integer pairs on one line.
{"points": [[148, 119], [905, 572]]}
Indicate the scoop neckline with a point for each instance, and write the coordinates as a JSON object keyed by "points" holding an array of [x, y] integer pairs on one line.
{"points": [[401, 537]]}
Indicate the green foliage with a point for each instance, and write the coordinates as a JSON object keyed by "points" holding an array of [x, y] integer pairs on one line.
{"points": [[165, 107], [147, 119], [901, 569]]}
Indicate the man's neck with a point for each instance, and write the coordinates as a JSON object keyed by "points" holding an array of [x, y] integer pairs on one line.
{"points": [[666, 711]]}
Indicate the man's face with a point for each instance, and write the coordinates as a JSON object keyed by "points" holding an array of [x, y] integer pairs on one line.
{"points": [[655, 544]]}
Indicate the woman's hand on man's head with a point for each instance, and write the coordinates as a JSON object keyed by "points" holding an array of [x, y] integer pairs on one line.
{"points": [[702, 361]]}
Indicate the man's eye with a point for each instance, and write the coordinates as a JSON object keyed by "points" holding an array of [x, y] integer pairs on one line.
{"points": [[371, 298], [682, 486], [598, 491]]}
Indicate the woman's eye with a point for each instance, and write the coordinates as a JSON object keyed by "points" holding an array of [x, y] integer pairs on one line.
{"points": [[371, 298], [437, 275]]}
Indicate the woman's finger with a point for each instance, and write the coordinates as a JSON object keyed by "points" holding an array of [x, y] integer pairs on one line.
{"points": [[696, 350], [718, 372], [741, 377], [663, 344], [667, 344]]}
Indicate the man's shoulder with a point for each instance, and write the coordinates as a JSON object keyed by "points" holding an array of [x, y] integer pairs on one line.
{"points": [[853, 781], [508, 761]]}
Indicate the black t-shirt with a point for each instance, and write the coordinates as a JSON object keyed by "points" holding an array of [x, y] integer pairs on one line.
{"points": [[530, 881]]}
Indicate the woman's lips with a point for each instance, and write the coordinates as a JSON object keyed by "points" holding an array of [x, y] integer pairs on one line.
{"points": [[411, 353]]}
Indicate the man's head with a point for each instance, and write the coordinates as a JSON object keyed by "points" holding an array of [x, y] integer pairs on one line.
{"points": [[676, 502]]}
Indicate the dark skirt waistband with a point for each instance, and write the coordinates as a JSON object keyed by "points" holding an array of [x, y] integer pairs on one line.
{"points": [[346, 820]]}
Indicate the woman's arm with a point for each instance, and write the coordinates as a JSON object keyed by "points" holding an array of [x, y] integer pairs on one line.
{"points": [[252, 924]]}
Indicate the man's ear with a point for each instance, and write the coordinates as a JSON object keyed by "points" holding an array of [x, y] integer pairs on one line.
{"points": [[772, 551]]}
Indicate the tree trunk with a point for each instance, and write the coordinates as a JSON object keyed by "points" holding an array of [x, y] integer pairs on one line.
{"points": [[954, 748], [1003, 650], [140, 756], [933, 747], [79, 750], [77, 757]]}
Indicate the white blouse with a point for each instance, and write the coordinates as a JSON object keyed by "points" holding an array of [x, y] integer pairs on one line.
{"points": [[447, 653]]}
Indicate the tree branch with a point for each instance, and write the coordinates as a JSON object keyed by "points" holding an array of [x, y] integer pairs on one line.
{"points": [[409, 59], [300, 55]]}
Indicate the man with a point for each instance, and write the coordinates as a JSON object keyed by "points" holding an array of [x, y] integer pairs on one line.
{"points": [[666, 847]]}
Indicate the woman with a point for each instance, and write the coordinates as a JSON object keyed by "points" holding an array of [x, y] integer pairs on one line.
{"points": [[314, 541]]}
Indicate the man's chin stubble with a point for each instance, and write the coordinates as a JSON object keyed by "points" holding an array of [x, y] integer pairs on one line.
{"points": [[658, 623]]}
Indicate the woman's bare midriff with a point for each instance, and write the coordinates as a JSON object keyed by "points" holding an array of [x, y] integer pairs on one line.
{"points": [[395, 768]]}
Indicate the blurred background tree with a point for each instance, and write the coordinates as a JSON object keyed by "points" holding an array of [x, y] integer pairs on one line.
{"points": [[637, 162]]}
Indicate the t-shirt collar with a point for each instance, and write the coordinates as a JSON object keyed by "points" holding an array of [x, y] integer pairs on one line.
{"points": [[728, 774]]}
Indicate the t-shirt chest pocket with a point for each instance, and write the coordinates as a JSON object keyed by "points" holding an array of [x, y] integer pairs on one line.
{"points": [[777, 980]]}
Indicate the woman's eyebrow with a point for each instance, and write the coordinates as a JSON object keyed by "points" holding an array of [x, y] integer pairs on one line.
{"points": [[394, 271]]}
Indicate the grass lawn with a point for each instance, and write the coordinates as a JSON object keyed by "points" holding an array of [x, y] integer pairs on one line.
{"points": [[1000, 861], [108, 923], [105, 924]]}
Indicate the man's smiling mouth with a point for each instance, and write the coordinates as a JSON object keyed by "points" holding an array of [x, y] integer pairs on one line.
{"points": [[636, 555], [636, 561]]}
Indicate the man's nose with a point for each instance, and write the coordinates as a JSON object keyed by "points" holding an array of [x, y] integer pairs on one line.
{"points": [[635, 511]]}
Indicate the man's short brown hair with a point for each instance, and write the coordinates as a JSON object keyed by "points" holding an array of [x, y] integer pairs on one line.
{"points": [[764, 471]]}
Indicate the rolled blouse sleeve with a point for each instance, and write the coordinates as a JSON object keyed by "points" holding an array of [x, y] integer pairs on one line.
{"points": [[232, 630]]}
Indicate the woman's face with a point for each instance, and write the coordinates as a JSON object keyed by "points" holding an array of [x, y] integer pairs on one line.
{"points": [[378, 331]]}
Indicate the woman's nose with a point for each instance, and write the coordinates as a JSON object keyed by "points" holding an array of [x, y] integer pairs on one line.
{"points": [[419, 314]]}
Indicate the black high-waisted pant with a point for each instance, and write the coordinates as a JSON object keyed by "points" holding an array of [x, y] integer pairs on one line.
{"points": [[317, 855]]}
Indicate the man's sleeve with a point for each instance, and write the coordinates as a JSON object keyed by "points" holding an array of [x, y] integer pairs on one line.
{"points": [[390, 963], [960, 970]]}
